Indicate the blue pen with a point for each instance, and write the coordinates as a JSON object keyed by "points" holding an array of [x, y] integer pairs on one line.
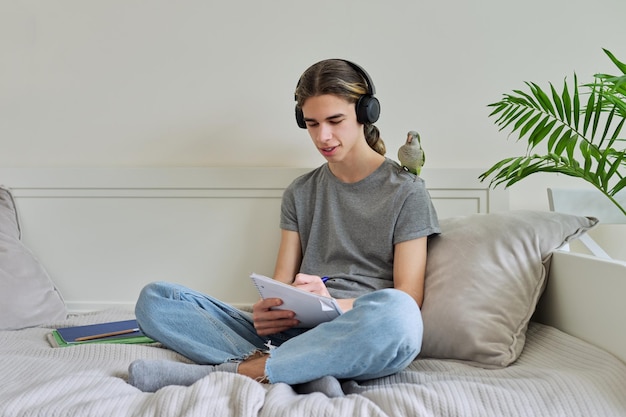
{"points": [[324, 279]]}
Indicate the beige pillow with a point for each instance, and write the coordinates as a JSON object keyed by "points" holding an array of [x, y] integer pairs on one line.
{"points": [[27, 296], [484, 276]]}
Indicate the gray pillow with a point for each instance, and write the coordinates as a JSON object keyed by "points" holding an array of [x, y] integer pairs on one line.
{"points": [[27, 296], [484, 276]]}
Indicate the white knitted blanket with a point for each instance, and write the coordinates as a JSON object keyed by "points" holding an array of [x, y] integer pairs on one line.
{"points": [[557, 375]]}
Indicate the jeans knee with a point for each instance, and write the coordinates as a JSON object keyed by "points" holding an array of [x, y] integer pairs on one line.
{"points": [[146, 307], [397, 318]]}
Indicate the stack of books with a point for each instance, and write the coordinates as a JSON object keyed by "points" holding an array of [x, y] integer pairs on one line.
{"points": [[126, 331]]}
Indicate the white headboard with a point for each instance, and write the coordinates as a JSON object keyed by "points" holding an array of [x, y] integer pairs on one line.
{"points": [[103, 233]]}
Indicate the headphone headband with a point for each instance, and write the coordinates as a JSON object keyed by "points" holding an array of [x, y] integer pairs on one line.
{"points": [[371, 90], [367, 106]]}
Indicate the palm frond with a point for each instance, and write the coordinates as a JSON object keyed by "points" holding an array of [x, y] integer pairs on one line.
{"points": [[582, 142]]}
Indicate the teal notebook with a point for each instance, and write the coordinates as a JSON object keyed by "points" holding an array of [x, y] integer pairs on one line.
{"points": [[126, 331]]}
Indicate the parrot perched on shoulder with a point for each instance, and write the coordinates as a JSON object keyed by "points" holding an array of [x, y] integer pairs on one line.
{"points": [[411, 154]]}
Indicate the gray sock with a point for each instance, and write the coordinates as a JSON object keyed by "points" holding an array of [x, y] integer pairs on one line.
{"points": [[353, 387], [327, 385], [152, 375]]}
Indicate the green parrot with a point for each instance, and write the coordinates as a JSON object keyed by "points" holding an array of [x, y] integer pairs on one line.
{"points": [[411, 154]]}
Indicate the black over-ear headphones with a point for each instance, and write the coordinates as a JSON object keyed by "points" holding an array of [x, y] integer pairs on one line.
{"points": [[367, 106]]}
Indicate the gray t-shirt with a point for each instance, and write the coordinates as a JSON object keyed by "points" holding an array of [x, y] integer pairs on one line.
{"points": [[348, 231]]}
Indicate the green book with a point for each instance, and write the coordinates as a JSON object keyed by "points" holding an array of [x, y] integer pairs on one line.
{"points": [[126, 331]]}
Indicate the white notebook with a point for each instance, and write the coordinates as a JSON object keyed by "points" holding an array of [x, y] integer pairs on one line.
{"points": [[311, 309]]}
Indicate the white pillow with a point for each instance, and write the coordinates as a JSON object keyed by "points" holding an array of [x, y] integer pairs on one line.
{"points": [[484, 276], [27, 296]]}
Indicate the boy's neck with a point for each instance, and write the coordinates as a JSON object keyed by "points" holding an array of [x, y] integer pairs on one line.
{"points": [[358, 169]]}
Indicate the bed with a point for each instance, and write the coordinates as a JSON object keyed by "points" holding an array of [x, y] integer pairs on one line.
{"points": [[514, 326]]}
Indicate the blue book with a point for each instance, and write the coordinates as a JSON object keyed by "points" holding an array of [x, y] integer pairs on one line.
{"points": [[126, 331]]}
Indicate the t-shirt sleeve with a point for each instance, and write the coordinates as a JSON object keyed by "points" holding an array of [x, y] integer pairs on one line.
{"points": [[417, 217], [288, 216]]}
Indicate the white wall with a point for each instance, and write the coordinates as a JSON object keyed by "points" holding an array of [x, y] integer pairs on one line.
{"points": [[207, 83]]}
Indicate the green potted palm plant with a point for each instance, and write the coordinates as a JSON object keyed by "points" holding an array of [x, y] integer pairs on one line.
{"points": [[578, 128]]}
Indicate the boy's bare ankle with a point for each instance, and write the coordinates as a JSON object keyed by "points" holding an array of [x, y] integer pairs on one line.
{"points": [[254, 367]]}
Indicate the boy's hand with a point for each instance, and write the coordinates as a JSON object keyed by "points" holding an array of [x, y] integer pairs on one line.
{"points": [[311, 283], [267, 321]]}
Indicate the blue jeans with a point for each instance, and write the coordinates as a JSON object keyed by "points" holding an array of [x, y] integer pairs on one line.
{"points": [[380, 336]]}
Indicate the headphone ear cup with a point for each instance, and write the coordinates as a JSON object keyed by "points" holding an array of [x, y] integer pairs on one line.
{"points": [[300, 118], [367, 109]]}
